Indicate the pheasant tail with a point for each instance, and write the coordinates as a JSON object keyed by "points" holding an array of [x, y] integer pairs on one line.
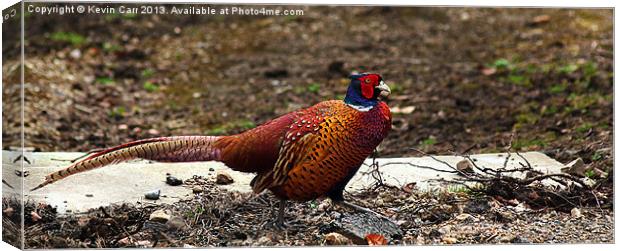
{"points": [[164, 149]]}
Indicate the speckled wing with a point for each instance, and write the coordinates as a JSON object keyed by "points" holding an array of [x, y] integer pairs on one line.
{"points": [[300, 138], [316, 157]]}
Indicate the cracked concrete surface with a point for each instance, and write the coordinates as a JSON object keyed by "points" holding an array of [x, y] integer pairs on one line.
{"points": [[127, 182]]}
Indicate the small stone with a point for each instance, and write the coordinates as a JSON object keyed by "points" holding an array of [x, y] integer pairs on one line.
{"points": [[144, 243], [197, 189], [463, 217], [75, 54], [159, 216], [223, 179], [152, 195], [123, 127], [519, 239], [465, 166], [449, 240], [153, 132], [506, 238], [89, 195], [187, 246], [211, 169], [575, 212], [336, 239], [264, 241], [173, 181]]}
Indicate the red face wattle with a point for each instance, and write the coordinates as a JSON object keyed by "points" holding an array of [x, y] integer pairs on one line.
{"points": [[372, 86], [368, 84]]}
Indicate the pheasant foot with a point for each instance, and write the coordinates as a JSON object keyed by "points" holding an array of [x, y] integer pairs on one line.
{"points": [[279, 223]]}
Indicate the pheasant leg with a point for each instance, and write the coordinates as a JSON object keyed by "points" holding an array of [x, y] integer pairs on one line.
{"points": [[280, 220], [279, 223]]}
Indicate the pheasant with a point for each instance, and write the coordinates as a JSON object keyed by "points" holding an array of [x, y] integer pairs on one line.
{"points": [[300, 156]]}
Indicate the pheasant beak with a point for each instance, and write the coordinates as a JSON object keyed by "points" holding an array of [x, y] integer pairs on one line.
{"points": [[384, 90]]}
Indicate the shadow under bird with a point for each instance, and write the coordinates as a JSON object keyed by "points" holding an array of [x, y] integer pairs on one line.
{"points": [[300, 156]]}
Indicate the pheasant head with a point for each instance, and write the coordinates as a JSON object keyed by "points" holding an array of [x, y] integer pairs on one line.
{"points": [[364, 91]]}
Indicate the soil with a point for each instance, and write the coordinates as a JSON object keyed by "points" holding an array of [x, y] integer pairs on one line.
{"points": [[217, 218], [467, 80]]}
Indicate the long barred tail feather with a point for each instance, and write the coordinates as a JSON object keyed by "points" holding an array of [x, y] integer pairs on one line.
{"points": [[164, 149]]}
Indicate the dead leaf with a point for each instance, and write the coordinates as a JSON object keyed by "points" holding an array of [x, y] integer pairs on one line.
{"points": [[375, 240], [488, 71], [335, 239], [35, 216], [408, 188], [541, 19], [403, 110]]}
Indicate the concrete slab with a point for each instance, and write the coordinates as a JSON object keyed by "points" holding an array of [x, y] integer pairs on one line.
{"points": [[127, 182]]}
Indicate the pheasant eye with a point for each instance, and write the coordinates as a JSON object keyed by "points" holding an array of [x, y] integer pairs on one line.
{"points": [[367, 81]]}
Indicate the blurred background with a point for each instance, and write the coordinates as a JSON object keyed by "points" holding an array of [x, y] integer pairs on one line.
{"points": [[463, 79]]}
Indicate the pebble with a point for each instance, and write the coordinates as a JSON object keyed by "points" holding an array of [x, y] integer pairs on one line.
{"points": [[462, 217], [336, 239], [506, 238], [519, 239], [173, 181], [144, 243], [263, 241], [465, 166], [152, 195], [223, 179], [159, 216], [75, 54], [153, 132], [575, 212], [197, 189], [449, 240]]}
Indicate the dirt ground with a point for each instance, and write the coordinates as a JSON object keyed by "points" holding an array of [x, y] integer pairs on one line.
{"points": [[216, 218], [463, 80]]}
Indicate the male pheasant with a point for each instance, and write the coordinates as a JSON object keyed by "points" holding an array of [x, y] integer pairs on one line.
{"points": [[299, 156]]}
